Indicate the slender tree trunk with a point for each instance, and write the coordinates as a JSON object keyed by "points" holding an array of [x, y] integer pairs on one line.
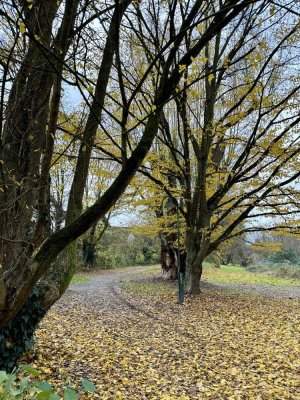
{"points": [[75, 205], [89, 248]]}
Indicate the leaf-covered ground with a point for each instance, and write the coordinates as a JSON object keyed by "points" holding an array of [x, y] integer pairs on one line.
{"points": [[137, 343]]}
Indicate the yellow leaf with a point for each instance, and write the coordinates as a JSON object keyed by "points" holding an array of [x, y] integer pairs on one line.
{"points": [[210, 77], [22, 28], [90, 89], [272, 11]]}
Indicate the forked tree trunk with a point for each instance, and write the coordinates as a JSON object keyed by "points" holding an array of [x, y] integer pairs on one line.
{"points": [[26, 185]]}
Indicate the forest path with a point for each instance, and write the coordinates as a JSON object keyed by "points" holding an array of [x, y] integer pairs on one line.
{"points": [[105, 288], [103, 291], [124, 331]]}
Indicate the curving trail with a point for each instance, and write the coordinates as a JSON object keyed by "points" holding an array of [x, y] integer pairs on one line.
{"points": [[139, 344], [104, 289]]}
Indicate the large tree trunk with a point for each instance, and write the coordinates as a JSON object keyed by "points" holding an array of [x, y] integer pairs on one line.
{"points": [[28, 138], [193, 269], [192, 279], [197, 244], [23, 139]]}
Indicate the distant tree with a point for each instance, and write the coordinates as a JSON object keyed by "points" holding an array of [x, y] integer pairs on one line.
{"points": [[233, 137]]}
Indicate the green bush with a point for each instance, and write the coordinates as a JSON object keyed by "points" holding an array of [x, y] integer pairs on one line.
{"points": [[139, 258], [119, 247], [28, 388], [284, 255]]}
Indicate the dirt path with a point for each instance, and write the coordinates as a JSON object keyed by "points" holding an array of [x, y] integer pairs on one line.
{"points": [[103, 291]]}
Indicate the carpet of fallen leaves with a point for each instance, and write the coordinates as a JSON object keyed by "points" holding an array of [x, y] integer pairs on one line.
{"points": [[219, 346]]}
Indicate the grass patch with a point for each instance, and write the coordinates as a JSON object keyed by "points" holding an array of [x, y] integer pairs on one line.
{"points": [[149, 284], [235, 274], [79, 279]]}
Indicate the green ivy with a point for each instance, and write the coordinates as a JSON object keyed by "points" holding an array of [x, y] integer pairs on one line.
{"points": [[18, 336], [28, 388]]}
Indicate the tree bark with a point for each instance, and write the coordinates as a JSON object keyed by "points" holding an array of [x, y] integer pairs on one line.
{"points": [[2, 290], [26, 189], [23, 136], [192, 279], [168, 258], [193, 270]]}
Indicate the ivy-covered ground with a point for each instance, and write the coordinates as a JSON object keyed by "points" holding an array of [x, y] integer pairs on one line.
{"points": [[124, 331]]}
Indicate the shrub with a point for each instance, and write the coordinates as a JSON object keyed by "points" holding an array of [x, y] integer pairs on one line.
{"points": [[119, 247], [284, 255], [28, 388], [288, 271], [282, 270]]}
